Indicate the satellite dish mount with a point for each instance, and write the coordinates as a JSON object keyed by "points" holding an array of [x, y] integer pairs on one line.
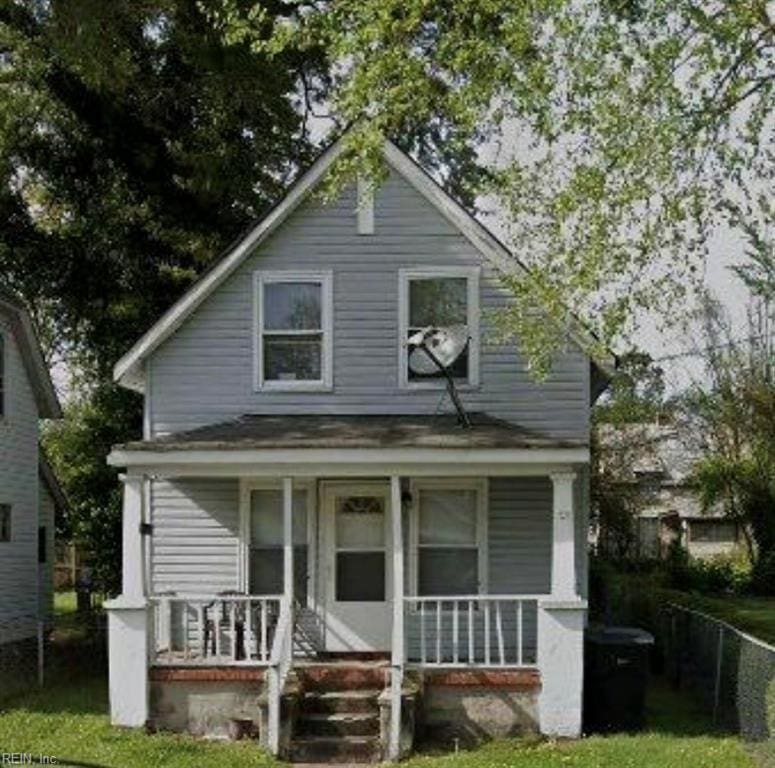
{"points": [[434, 350]]}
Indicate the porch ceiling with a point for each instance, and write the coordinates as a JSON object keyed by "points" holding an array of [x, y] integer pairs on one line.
{"points": [[252, 432]]}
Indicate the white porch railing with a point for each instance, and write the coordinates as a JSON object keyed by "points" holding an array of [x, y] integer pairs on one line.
{"points": [[472, 630], [227, 630], [280, 663]]}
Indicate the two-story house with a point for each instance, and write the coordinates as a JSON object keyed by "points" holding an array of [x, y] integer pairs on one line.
{"points": [[314, 548], [29, 493]]}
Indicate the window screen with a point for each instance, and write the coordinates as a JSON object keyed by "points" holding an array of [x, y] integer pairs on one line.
{"points": [[267, 557], [438, 302], [448, 542], [292, 331]]}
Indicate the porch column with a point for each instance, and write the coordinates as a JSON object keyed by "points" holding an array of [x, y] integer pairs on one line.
{"points": [[288, 580], [128, 619], [563, 537], [561, 620], [397, 652]]}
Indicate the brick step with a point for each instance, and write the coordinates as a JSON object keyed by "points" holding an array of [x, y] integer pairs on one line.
{"points": [[338, 724], [338, 749], [364, 700], [337, 677]]}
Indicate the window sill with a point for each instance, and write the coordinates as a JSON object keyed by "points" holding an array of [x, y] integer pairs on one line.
{"points": [[436, 386], [299, 386]]}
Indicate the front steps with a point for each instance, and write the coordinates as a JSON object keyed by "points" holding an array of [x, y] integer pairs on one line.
{"points": [[339, 717]]}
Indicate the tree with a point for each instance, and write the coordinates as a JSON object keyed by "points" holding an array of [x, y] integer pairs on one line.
{"points": [[622, 438], [134, 146], [613, 133], [734, 417]]}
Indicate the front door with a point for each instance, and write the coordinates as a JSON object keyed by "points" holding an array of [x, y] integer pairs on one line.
{"points": [[357, 568]]}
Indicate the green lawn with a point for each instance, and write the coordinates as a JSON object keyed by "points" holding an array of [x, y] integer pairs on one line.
{"points": [[754, 615], [69, 722]]}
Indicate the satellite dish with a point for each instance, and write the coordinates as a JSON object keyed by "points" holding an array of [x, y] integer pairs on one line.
{"points": [[445, 344], [434, 350]]}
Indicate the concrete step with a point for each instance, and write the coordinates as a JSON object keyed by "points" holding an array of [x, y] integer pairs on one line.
{"points": [[343, 677], [364, 700], [338, 724], [338, 749]]}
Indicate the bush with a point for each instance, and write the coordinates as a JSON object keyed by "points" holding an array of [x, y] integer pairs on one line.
{"points": [[718, 575]]}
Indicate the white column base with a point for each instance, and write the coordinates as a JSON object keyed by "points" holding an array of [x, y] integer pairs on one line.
{"points": [[128, 661], [561, 661]]}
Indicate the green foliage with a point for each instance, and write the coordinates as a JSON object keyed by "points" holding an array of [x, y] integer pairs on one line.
{"points": [[613, 135], [134, 145], [708, 576], [70, 723], [636, 394], [735, 415], [94, 421]]}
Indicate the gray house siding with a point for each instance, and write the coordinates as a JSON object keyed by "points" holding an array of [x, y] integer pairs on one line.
{"points": [[194, 547], [204, 372], [18, 487], [45, 570], [196, 538]]}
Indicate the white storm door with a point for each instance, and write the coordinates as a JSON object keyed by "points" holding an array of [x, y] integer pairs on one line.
{"points": [[357, 566]]}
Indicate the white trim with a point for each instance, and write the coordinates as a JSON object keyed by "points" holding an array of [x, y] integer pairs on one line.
{"points": [[326, 280], [246, 486], [472, 275], [478, 484], [352, 462], [19, 326], [365, 203], [127, 369]]}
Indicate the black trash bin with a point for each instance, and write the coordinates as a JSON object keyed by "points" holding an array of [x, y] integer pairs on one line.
{"points": [[616, 667]]}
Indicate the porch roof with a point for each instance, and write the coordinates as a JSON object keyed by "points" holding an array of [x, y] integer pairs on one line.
{"points": [[441, 431]]}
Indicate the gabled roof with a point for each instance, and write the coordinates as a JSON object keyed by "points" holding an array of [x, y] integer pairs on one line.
{"points": [[32, 356], [129, 369]]}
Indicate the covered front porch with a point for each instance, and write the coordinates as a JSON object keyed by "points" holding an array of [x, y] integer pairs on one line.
{"points": [[430, 560]]}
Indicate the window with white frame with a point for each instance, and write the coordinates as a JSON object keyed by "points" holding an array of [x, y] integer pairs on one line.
{"points": [[266, 554], [446, 298], [293, 330], [5, 522], [450, 530]]}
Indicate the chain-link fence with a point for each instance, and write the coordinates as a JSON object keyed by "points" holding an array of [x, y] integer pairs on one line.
{"points": [[36, 653], [730, 671]]}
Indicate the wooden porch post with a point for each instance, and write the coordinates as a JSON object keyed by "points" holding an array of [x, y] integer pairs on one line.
{"points": [[288, 539], [397, 656], [563, 538]]}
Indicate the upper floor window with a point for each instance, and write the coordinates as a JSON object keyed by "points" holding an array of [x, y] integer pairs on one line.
{"points": [[447, 298], [293, 330], [5, 522]]}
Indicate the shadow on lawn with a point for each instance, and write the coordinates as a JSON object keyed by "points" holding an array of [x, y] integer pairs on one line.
{"points": [[676, 713]]}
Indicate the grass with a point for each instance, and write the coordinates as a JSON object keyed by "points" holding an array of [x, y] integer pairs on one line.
{"points": [[69, 722], [754, 615]]}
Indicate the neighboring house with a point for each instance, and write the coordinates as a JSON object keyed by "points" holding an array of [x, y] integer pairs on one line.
{"points": [[29, 494], [304, 516], [660, 462]]}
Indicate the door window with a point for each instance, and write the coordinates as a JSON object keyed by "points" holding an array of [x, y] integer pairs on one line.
{"points": [[359, 531]]}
